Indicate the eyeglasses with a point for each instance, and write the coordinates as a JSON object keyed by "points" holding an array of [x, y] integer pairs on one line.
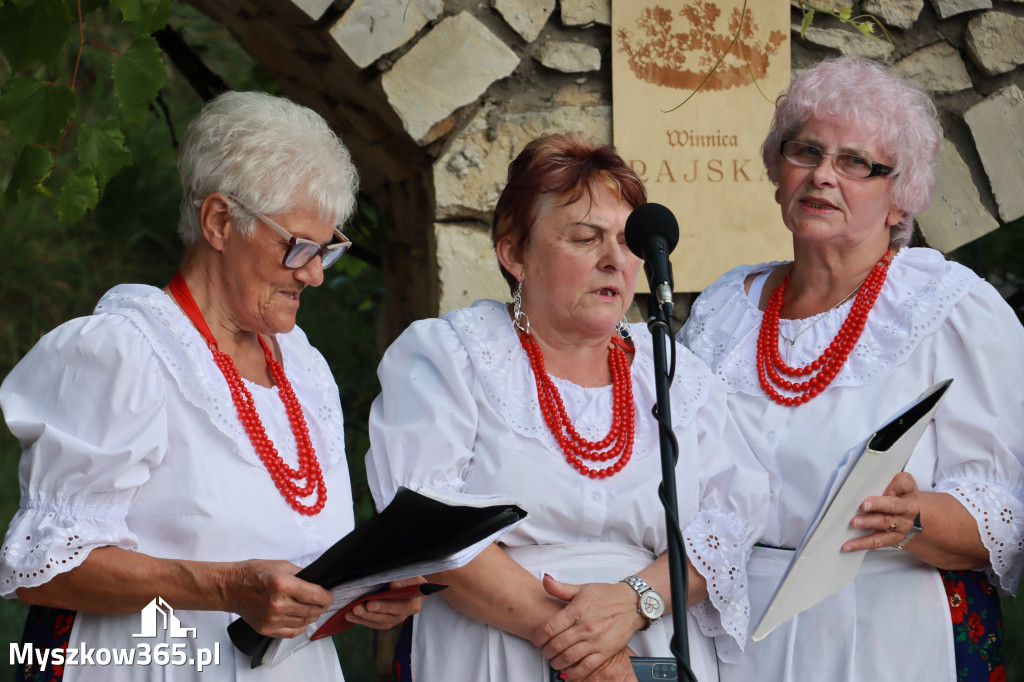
{"points": [[851, 165], [300, 251]]}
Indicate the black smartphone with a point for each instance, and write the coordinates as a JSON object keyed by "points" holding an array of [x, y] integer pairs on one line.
{"points": [[646, 669], [654, 669]]}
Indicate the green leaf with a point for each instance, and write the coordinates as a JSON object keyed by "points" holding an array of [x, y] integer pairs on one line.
{"points": [[805, 24], [35, 32], [866, 27], [89, 6], [31, 166], [145, 16], [138, 76], [36, 112], [103, 149], [845, 13], [79, 194]]}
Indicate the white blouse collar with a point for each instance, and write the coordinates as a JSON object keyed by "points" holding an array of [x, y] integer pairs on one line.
{"points": [[504, 371], [919, 293], [189, 362]]}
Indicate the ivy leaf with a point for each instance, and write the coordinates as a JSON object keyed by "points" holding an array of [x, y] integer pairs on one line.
{"points": [[36, 112], [79, 194], [103, 149], [145, 15], [845, 13], [31, 166], [138, 76], [808, 18], [34, 32]]}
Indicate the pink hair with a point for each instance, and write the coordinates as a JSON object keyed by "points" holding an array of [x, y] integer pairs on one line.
{"points": [[862, 92]]}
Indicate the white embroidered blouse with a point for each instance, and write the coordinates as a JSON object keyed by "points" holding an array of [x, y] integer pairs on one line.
{"points": [[131, 439], [459, 409], [933, 320]]}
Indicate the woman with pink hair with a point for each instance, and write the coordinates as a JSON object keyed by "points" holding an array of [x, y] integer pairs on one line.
{"points": [[819, 352]]}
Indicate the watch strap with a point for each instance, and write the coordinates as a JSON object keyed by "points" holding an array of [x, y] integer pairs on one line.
{"points": [[641, 587]]}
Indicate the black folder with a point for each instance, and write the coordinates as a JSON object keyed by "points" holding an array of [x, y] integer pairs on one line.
{"points": [[413, 529]]}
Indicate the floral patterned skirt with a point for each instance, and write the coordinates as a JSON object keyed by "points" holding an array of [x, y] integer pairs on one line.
{"points": [[401, 666], [977, 626], [973, 605], [45, 629]]}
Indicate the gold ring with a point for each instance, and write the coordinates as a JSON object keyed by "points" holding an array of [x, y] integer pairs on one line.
{"points": [[892, 526]]}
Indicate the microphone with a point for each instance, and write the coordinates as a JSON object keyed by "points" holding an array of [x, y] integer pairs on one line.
{"points": [[651, 233]]}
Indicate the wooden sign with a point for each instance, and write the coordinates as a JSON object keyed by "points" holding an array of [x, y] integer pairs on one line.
{"points": [[702, 158]]}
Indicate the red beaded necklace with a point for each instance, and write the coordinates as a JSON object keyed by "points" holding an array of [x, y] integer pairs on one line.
{"points": [[619, 441], [823, 370], [285, 478]]}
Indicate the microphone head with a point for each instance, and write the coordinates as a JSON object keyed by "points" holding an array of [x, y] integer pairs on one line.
{"points": [[649, 220]]}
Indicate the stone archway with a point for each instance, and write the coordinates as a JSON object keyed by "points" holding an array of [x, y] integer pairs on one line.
{"points": [[435, 97], [367, 69]]}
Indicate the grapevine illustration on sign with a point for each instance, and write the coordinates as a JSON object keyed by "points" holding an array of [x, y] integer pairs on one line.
{"points": [[683, 59]]}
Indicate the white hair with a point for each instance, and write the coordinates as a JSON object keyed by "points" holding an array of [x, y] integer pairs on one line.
{"points": [[270, 153]]}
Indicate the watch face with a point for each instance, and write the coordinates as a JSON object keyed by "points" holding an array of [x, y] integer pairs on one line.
{"points": [[652, 604]]}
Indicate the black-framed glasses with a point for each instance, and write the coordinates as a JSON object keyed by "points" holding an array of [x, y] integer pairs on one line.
{"points": [[301, 251], [851, 165]]}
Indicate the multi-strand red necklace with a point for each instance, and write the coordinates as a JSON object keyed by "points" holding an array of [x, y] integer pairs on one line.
{"points": [[824, 369], [285, 478], [578, 450]]}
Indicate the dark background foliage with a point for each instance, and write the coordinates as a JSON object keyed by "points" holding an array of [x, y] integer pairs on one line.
{"points": [[51, 272]]}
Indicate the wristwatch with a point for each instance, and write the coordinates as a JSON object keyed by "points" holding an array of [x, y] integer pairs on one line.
{"points": [[650, 603], [914, 531]]}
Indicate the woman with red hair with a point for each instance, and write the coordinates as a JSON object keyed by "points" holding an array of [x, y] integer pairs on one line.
{"points": [[547, 400]]}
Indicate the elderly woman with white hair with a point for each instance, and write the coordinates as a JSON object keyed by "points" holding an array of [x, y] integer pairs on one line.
{"points": [[176, 434], [819, 352]]}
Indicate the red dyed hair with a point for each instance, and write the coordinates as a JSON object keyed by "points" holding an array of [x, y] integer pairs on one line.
{"points": [[565, 167]]}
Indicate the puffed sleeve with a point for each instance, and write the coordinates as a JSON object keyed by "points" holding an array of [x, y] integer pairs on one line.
{"points": [[979, 425], [87, 405], [424, 422], [731, 516]]}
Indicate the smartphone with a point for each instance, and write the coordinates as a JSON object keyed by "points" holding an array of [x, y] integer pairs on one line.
{"points": [[646, 669]]}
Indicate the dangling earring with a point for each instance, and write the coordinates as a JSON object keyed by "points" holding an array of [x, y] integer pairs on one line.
{"points": [[622, 327], [519, 319]]}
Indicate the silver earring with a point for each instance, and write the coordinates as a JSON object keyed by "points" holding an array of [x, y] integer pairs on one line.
{"points": [[519, 319], [622, 327]]}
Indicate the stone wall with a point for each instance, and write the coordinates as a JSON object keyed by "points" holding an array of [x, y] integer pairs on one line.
{"points": [[435, 97]]}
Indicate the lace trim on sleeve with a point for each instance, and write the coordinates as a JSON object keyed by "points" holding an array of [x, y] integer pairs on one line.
{"points": [[1000, 517], [714, 547], [50, 537]]}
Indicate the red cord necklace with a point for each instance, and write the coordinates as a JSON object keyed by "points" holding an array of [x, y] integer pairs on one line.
{"points": [[285, 478], [823, 370], [619, 441]]}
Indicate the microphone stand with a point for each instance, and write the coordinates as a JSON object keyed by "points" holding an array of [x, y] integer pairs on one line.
{"points": [[658, 322]]}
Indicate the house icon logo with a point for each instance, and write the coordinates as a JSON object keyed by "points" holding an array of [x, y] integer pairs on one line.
{"points": [[170, 621]]}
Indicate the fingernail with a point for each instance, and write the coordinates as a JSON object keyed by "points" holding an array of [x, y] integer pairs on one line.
{"points": [[548, 575]]}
